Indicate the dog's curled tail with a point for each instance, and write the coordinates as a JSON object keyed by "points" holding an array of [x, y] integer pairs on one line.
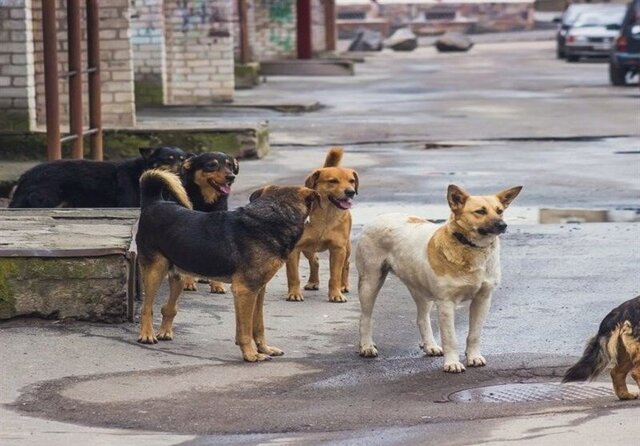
{"points": [[153, 182], [598, 353], [334, 157]]}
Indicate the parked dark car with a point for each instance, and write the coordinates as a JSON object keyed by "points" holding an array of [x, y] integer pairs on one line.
{"points": [[593, 33], [624, 61], [569, 16]]}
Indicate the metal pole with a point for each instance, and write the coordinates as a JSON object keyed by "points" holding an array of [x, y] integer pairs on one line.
{"points": [[303, 15], [50, 40], [74, 32], [95, 102], [330, 24], [245, 49]]}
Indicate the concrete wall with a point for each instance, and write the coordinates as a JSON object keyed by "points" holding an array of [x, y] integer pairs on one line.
{"points": [[17, 88], [148, 44], [199, 51]]}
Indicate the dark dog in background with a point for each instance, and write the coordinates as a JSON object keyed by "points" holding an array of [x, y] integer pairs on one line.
{"points": [[208, 178], [617, 342], [92, 184], [245, 247]]}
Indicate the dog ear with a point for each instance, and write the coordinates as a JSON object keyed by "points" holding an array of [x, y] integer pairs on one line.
{"points": [[312, 198], [256, 194], [146, 152], [456, 197], [236, 166], [508, 195], [355, 175], [187, 164], [312, 180]]}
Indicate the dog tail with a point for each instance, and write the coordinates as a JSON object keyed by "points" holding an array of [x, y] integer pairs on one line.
{"points": [[154, 182], [334, 157], [598, 353]]}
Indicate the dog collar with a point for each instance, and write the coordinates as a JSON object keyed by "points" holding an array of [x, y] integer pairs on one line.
{"points": [[465, 241]]}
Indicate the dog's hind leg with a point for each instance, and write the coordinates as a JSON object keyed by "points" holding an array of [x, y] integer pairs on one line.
{"points": [[293, 277], [170, 309], [370, 282], [314, 271], [478, 310], [345, 270], [428, 343], [619, 375], [337, 257], [446, 320], [152, 274], [258, 328]]}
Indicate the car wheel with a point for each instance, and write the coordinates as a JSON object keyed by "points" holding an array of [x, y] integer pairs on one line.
{"points": [[572, 58], [617, 75]]}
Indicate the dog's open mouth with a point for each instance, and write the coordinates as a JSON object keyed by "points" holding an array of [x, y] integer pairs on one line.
{"points": [[224, 189], [341, 203]]}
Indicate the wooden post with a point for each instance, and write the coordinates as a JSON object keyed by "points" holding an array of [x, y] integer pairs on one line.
{"points": [[303, 29], [51, 91], [245, 49], [330, 24]]}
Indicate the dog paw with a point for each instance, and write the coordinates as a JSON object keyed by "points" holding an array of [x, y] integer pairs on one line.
{"points": [[295, 297], [369, 351], [165, 335], [191, 286], [476, 361], [628, 396], [255, 357], [454, 367], [338, 298], [432, 350], [217, 288], [271, 351], [147, 339], [312, 286]]}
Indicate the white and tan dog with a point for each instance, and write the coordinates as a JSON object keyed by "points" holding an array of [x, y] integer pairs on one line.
{"points": [[445, 264]]}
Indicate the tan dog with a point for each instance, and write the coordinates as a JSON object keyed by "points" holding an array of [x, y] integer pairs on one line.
{"points": [[329, 228], [445, 264], [617, 342]]}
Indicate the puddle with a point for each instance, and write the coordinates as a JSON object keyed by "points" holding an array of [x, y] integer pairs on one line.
{"points": [[365, 213]]}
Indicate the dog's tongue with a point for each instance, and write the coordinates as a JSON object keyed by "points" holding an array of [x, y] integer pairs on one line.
{"points": [[346, 203], [225, 189]]}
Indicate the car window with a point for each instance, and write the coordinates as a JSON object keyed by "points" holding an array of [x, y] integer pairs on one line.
{"points": [[601, 18]]}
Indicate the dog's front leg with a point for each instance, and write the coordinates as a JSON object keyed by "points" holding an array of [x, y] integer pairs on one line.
{"points": [[245, 300], [293, 277], [446, 318], [314, 271], [345, 270], [337, 257], [477, 314], [258, 328]]}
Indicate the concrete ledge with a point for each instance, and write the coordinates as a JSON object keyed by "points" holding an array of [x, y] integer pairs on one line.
{"points": [[237, 139], [314, 67], [73, 263], [247, 75]]}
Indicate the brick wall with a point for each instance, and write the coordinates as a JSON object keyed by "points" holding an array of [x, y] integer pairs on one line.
{"points": [[147, 41], [118, 107], [199, 51], [17, 89], [275, 29]]}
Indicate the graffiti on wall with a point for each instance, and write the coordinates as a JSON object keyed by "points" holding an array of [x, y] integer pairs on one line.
{"points": [[281, 23], [197, 14]]}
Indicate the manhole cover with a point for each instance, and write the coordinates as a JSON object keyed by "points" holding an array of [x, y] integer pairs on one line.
{"points": [[527, 393]]}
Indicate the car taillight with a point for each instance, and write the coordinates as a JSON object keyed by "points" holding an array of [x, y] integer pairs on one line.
{"points": [[571, 39], [621, 43]]}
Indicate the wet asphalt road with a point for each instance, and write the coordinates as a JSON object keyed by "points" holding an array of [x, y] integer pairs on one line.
{"points": [[79, 383]]}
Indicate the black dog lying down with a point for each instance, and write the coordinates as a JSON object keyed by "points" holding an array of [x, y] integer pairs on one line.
{"points": [[91, 184], [245, 247]]}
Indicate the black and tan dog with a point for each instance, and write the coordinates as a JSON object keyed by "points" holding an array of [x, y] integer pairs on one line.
{"points": [[245, 247], [208, 178], [329, 228], [617, 342], [91, 184]]}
